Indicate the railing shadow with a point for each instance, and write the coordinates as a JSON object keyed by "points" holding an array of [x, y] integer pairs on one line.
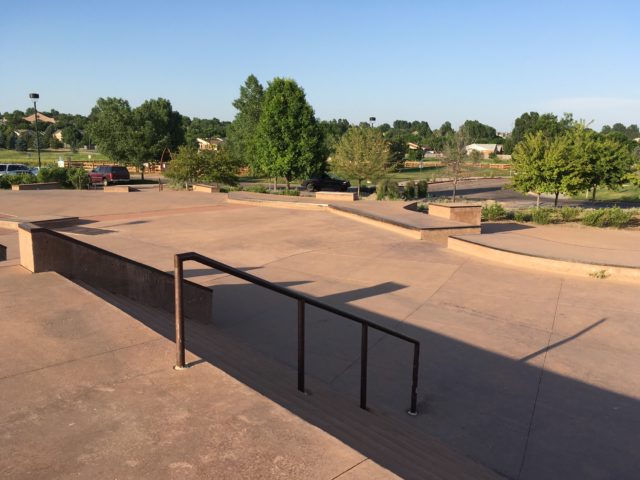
{"points": [[502, 412]]}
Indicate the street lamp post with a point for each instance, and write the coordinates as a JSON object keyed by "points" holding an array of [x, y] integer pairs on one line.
{"points": [[35, 97], [372, 120]]}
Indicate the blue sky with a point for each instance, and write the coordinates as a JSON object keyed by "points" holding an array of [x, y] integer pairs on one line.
{"points": [[413, 60]]}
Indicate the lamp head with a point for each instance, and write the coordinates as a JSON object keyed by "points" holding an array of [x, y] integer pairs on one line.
{"points": [[34, 96]]}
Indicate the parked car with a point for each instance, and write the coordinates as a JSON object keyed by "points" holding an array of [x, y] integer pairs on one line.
{"points": [[13, 169], [109, 174], [34, 171], [325, 181]]}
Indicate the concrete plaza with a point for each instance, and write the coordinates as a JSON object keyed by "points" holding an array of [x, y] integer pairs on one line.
{"points": [[530, 374]]}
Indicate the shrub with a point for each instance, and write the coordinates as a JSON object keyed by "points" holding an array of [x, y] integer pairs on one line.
{"points": [[77, 178], [608, 217], [522, 216], [387, 189], [541, 215], [494, 211], [409, 192], [422, 189], [4, 182], [290, 192], [569, 214], [20, 178], [258, 188], [53, 174]]}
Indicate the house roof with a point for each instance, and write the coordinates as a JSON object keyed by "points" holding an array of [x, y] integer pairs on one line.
{"points": [[482, 146], [41, 118]]}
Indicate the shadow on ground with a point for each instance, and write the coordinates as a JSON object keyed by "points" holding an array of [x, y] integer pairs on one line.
{"points": [[507, 414]]}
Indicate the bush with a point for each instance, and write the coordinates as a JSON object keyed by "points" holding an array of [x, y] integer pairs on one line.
{"points": [[77, 178], [4, 182], [258, 188], [54, 174], [541, 215], [608, 217], [494, 211], [422, 189], [569, 214], [409, 192], [387, 189], [20, 178], [289, 192], [522, 216]]}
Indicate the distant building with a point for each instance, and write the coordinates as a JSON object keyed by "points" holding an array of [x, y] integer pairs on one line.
{"points": [[41, 118], [57, 135], [485, 149], [209, 143]]}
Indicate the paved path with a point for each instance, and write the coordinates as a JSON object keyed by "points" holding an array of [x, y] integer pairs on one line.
{"points": [[531, 374], [573, 243]]}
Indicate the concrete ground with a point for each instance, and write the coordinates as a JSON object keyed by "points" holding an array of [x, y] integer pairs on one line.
{"points": [[88, 392], [530, 374]]}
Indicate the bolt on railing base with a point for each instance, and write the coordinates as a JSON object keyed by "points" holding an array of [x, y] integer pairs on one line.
{"points": [[413, 414], [178, 367]]}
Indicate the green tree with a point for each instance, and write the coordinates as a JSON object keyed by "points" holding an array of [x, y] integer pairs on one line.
{"points": [[455, 158], [289, 142], [72, 136], [21, 143], [191, 165], [361, 154], [242, 131], [111, 125], [156, 126]]}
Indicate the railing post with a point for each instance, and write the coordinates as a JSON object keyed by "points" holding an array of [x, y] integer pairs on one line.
{"points": [[414, 381], [364, 355], [177, 272], [301, 306]]}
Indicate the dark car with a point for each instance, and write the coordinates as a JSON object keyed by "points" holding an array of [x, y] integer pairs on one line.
{"points": [[325, 182], [109, 174]]}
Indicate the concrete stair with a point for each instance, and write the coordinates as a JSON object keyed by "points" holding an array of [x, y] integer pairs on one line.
{"points": [[395, 445]]}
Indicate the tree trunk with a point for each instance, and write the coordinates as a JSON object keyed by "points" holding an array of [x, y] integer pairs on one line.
{"points": [[275, 184], [142, 172], [288, 181], [359, 188], [555, 202], [455, 187], [593, 194], [538, 200]]}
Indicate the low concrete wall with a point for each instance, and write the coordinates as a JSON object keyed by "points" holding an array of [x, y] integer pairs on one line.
{"points": [[118, 188], [458, 212], [43, 250], [3, 253], [563, 267], [440, 236], [37, 186], [205, 188], [339, 196]]}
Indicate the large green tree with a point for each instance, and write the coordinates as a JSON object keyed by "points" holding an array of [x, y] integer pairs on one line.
{"points": [[111, 126], [289, 141], [361, 154], [191, 165], [242, 131]]}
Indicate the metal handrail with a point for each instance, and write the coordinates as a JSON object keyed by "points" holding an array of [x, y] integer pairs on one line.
{"points": [[302, 300]]}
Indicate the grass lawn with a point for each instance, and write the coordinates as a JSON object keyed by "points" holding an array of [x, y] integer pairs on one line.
{"points": [[48, 156], [627, 193], [429, 173]]}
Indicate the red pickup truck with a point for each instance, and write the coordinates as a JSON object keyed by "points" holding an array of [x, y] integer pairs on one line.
{"points": [[109, 174]]}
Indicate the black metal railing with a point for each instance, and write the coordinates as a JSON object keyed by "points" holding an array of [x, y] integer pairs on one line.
{"points": [[302, 300]]}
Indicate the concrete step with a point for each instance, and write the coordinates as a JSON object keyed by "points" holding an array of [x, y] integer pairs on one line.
{"points": [[394, 444]]}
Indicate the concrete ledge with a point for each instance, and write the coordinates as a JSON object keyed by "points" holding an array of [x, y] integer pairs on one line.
{"points": [[407, 231], [118, 188], [554, 265], [339, 196], [458, 212], [37, 186], [53, 222], [43, 250], [205, 188]]}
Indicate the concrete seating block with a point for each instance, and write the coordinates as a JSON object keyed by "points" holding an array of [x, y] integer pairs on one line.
{"points": [[205, 188], [469, 213], [37, 186], [337, 196], [118, 188]]}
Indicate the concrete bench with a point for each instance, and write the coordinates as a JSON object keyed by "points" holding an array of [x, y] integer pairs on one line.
{"points": [[37, 186], [469, 213], [118, 188], [205, 188], [339, 196]]}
